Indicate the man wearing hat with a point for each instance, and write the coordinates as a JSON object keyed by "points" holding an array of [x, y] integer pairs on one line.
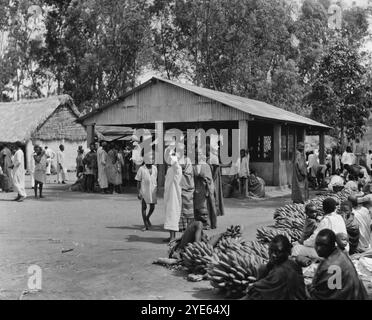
{"points": [[300, 187]]}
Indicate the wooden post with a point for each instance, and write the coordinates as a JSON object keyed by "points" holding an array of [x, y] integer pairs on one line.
{"points": [[277, 137], [243, 127], [159, 152], [321, 148], [90, 134]]}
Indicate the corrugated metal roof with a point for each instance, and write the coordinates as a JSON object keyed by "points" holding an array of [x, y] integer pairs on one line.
{"points": [[250, 106], [253, 107]]}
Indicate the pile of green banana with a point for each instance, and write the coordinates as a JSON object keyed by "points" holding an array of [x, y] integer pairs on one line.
{"points": [[227, 244], [231, 272], [233, 232], [196, 256], [266, 234], [259, 249]]}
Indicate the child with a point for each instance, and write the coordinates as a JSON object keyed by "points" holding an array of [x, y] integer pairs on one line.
{"points": [[311, 222], [342, 240]]}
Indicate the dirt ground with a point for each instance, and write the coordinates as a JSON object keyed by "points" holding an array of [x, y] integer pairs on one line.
{"points": [[111, 257]]}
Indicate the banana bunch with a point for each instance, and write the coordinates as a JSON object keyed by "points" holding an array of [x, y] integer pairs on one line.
{"points": [[259, 249], [289, 211], [233, 232], [290, 223], [196, 256], [232, 272], [266, 234], [230, 244], [294, 234]]}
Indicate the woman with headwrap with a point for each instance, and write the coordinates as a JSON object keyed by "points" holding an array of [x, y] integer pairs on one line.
{"points": [[187, 193], [204, 201], [300, 187]]}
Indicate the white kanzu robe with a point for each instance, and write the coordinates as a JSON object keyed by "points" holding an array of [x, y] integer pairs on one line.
{"points": [[148, 183], [172, 196], [19, 173], [101, 163]]}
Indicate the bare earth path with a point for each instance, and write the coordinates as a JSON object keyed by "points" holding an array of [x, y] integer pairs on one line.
{"points": [[111, 257]]}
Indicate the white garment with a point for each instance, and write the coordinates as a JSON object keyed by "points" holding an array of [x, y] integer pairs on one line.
{"points": [[351, 186], [348, 158], [172, 196], [336, 181], [50, 154], [101, 164], [19, 173], [31, 167], [332, 221], [61, 158], [235, 168], [369, 160], [148, 183], [363, 218], [244, 167]]}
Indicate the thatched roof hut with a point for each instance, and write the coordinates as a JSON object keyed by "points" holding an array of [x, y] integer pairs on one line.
{"points": [[45, 119], [48, 121]]}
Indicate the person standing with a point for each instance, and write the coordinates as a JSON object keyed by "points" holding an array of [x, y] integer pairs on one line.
{"points": [[214, 162], [111, 168], [31, 168], [101, 163], [40, 170], [243, 172], [369, 160], [204, 202], [348, 157], [50, 154], [90, 163], [187, 194], [6, 156], [61, 170], [358, 151], [300, 187], [79, 161], [173, 196], [18, 167], [146, 178]]}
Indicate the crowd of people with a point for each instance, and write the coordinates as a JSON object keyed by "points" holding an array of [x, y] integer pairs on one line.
{"points": [[349, 170]]}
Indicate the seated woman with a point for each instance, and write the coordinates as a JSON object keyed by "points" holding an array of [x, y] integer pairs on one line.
{"points": [[256, 185], [281, 278], [80, 184]]}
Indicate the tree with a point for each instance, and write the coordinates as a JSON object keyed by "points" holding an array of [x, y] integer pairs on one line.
{"points": [[93, 47], [355, 25], [341, 96], [312, 31]]}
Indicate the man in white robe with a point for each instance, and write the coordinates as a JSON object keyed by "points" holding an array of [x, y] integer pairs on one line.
{"points": [[61, 169], [19, 173], [101, 163], [50, 154], [173, 196]]}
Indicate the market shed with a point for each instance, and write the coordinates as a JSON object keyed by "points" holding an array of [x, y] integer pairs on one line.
{"points": [[48, 121], [270, 133]]}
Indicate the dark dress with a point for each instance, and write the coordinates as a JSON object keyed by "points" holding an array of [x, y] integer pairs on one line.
{"points": [[351, 287], [300, 187], [280, 282]]}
